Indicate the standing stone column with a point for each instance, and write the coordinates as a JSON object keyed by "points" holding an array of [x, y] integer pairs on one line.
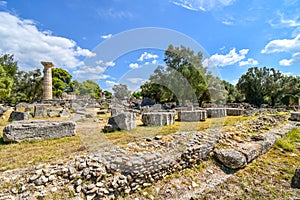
{"points": [[47, 95]]}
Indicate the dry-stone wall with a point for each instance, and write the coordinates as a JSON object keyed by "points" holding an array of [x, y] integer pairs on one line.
{"points": [[35, 130]]}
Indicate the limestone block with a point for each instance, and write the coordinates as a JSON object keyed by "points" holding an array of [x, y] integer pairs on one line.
{"points": [[40, 110], [18, 116], [295, 116], [122, 121], [231, 158], [234, 111], [216, 112], [192, 116], [158, 118], [36, 130]]}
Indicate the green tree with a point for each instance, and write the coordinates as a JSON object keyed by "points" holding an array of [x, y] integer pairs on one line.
{"points": [[107, 94], [89, 88], [137, 94], [61, 82], [8, 70], [232, 94], [121, 91], [262, 85]]}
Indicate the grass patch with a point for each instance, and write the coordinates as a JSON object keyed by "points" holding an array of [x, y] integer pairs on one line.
{"points": [[288, 143]]}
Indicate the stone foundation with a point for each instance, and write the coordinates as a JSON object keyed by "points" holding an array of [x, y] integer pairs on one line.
{"points": [[36, 130], [158, 118], [192, 116], [216, 112], [234, 111]]}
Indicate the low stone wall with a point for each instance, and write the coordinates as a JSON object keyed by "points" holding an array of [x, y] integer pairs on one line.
{"points": [[36, 130], [295, 116], [192, 116], [216, 112], [234, 111], [158, 118]]}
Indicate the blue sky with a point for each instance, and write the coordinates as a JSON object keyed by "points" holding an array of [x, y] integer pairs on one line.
{"points": [[109, 41]]}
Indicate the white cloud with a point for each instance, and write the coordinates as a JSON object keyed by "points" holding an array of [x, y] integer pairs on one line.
{"points": [[109, 83], [105, 64], [202, 5], [285, 21], [250, 61], [84, 52], [147, 56], [136, 80], [154, 62], [234, 82], [134, 65], [223, 60], [30, 45], [287, 62], [106, 36], [285, 45]]}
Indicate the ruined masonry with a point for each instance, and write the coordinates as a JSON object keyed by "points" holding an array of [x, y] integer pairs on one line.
{"points": [[36, 130], [158, 118], [192, 116]]}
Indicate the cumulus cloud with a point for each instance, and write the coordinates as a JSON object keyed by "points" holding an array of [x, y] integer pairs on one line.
{"points": [[106, 36], [250, 61], [202, 5], [224, 60], [147, 56], [94, 72], [29, 45], [291, 46], [134, 65], [109, 83]]}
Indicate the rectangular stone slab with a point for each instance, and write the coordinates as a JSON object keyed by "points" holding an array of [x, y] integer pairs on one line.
{"points": [[37, 130]]}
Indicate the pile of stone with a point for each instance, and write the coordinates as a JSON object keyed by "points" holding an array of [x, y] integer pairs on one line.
{"points": [[36, 130]]}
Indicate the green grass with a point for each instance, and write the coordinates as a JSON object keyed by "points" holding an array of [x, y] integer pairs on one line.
{"points": [[288, 143]]}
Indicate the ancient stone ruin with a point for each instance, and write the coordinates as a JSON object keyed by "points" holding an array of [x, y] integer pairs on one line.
{"points": [[18, 116], [122, 121], [47, 95], [158, 118], [192, 115], [36, 130]]}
